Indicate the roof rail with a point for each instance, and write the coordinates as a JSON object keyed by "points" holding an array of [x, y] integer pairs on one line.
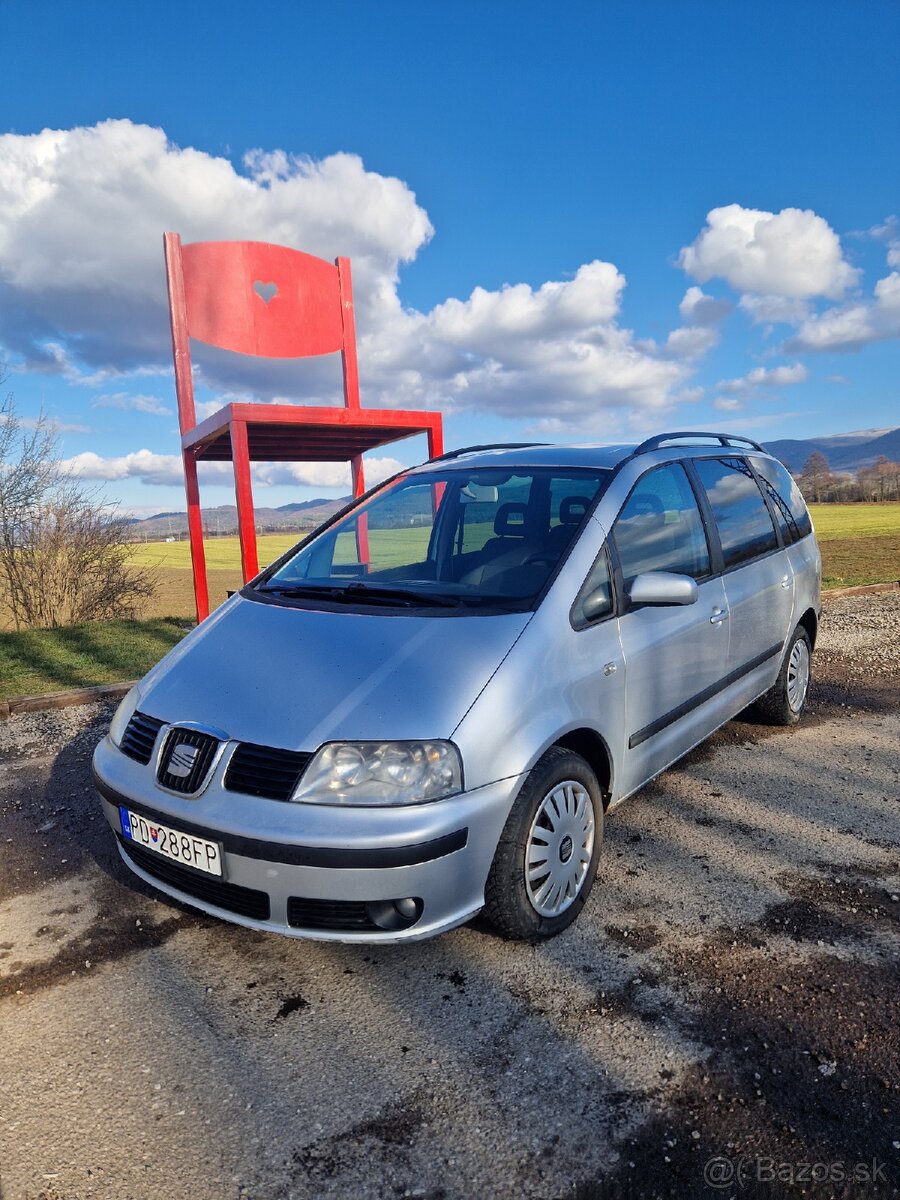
{"points": [[487, 446], [724, 439]]}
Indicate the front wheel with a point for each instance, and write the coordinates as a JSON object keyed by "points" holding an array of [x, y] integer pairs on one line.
{"points": [[546, 858], [785, 702]]}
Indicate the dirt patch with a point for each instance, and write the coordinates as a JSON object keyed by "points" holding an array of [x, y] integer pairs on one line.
{"points": [[385, 1139], [805, 1069]]}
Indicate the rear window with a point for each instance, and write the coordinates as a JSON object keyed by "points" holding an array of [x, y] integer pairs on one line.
{"points": [[786, 499], [745, 527]]}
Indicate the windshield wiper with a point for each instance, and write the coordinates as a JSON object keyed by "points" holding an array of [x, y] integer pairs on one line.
{"points": [[366, 591]]}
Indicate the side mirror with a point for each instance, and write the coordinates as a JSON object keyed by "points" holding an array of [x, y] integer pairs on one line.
{"points": [[662, 587]]}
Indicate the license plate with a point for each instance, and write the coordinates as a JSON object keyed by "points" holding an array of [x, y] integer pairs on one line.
{"points": [[178, 847]]}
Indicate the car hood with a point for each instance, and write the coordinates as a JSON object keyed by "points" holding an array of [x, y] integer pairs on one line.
{"points": [[295, 678]]}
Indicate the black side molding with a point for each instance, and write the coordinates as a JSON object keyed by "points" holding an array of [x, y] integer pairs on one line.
{"points": [[335, 857], [682, 710]]}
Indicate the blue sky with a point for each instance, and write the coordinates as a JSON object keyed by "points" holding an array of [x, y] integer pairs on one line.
{"points": [[563, 176]]}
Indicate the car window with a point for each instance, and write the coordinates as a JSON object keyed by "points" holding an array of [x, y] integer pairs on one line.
{"points": [[452, 537], [482, 508], [395, 534], [745, 527], [598, 586], [786, 499], [660, 527]]}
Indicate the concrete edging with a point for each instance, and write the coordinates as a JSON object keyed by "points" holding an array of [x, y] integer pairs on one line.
{"points": [[51, 700], [864, 589]]}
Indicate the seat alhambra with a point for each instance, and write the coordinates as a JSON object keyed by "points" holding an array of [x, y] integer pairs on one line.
{"points": [[426, 708]]}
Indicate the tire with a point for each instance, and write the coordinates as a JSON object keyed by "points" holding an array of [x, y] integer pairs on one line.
{"points": [[560, 790], [785, 702]]}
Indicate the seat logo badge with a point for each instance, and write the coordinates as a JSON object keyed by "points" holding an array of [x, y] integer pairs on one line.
{"points": [[181, 761]]}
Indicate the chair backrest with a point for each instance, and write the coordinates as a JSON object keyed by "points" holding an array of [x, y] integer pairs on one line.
{"points": [[258, 299]]}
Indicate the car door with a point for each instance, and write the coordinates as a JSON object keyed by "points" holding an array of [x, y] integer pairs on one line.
{"points": [[674, 655], [757, 573]]}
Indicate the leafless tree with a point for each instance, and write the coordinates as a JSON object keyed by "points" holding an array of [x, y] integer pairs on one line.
{"points": [[63, 554], [816, 476]]}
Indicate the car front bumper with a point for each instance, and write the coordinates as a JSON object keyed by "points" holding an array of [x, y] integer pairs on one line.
{"points": [[308, 870]]}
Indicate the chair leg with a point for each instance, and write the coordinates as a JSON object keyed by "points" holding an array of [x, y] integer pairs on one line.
{"points": [[362, 523], [436, 448], [195, 535], [243, 492], [435, 441]]}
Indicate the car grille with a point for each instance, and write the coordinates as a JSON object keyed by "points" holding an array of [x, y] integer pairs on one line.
{"points": [[329, 914], [139, 737], [247, 902], [265, 771], [197, 751]]}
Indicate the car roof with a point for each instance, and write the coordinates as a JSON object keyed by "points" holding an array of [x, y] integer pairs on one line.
{"points": [[597, 455], [533, 455]]}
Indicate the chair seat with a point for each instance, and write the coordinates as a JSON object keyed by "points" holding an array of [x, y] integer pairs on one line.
{"points": [[302, 433]]}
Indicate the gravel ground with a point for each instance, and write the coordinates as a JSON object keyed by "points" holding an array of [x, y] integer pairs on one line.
{"points": [[727, 1003]]}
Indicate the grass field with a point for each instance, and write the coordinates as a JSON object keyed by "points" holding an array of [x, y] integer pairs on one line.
{"points": [[855, 520], [34, 661], [860, 543]]}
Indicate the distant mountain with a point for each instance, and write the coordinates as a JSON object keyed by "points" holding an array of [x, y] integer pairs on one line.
{"points": [[844, 451], [300, 505], [288, 518]]}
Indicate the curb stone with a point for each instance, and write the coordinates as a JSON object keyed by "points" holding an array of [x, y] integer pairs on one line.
{"points": [[51, 700], [864, 589]]}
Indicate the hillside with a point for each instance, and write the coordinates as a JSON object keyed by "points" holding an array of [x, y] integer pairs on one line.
{"points": [[222, 519], [844, 451]]}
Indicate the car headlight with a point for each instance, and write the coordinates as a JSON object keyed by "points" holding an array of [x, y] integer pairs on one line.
{"points": [[123, 715], [379, 773]]}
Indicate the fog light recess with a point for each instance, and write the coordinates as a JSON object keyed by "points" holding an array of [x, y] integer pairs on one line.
{"points": [[394, 914]]}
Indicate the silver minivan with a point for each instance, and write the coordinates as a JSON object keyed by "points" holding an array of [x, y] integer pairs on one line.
{"points": [[425, 708]]}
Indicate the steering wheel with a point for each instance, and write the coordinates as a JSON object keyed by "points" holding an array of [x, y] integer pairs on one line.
{"points": [[539, 556]]}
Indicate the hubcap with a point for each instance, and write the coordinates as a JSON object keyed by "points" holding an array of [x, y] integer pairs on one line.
{"points": [[559, 848], [798, 675]]}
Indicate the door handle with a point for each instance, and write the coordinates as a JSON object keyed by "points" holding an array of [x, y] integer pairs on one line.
{"points": [[609, 669], [718, 616], [786, 582]]}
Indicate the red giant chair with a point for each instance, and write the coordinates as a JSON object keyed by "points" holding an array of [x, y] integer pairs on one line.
{"points": [[273, 302]]}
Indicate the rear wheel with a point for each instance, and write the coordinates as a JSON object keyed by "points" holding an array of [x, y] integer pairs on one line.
{"points": [[784, 703], [547, 855]]}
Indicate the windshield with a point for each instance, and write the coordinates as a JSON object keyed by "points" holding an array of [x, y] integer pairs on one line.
{"points": [[475, 538]]}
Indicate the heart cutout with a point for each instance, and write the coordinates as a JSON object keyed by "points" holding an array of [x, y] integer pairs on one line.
{"points": [[265, 291]]}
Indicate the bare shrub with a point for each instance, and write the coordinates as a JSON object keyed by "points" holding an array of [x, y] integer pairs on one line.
{"points": [[63, 554]]}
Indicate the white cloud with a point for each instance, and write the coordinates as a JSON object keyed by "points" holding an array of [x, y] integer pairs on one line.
{"points": [[852, 326], [82, 213], [53, 423], [82, 288], [727, 404], [764, 377], [697, 308], [793, 253], [136, 403], [692, 340], [691, 395], [145, 465], [774, 310], [166, 470]]}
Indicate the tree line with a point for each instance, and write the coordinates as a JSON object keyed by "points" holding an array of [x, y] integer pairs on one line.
{"points": [[874, 484]]}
